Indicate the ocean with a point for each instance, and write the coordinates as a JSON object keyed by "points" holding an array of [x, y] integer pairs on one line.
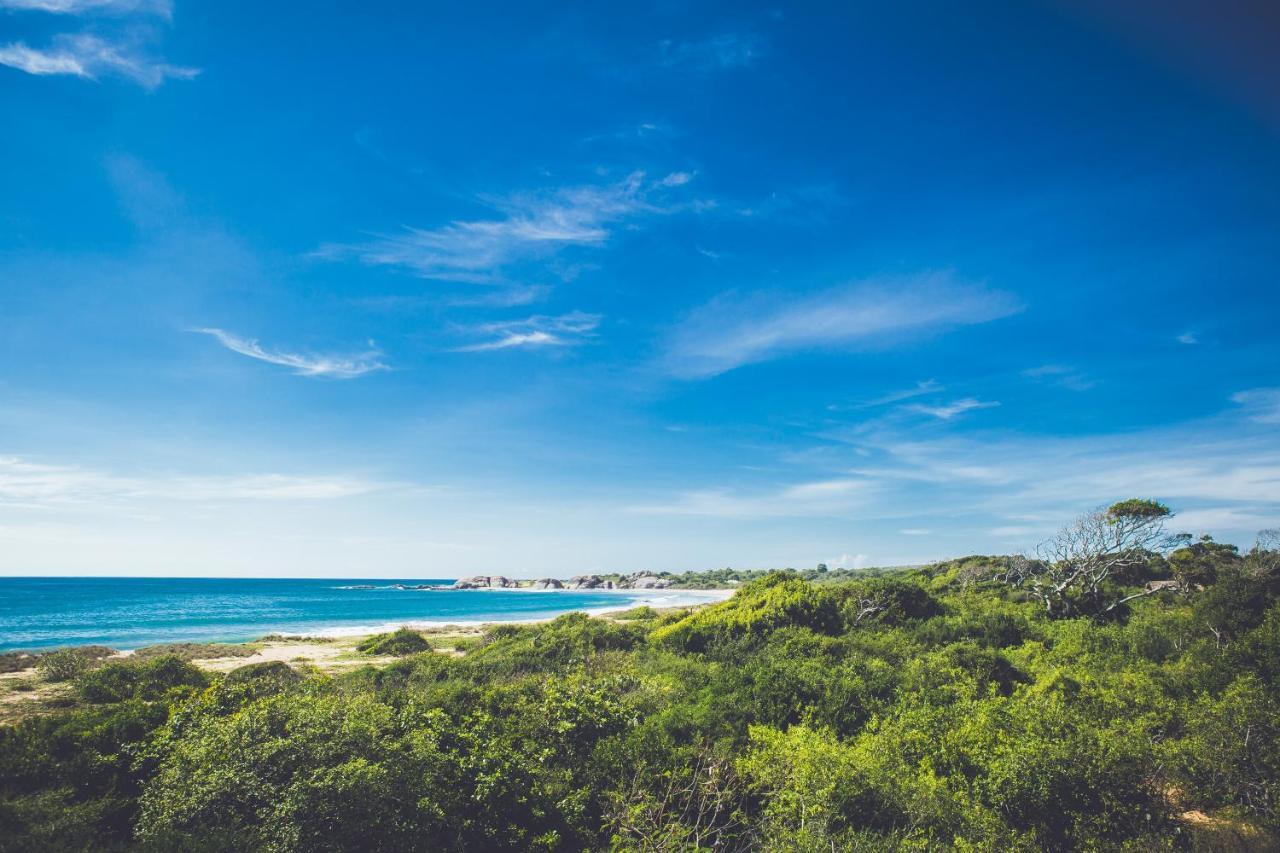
{"points": [[127, 613]]}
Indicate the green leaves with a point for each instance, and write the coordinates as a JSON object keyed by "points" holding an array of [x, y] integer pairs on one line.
{"points": [[760, 607], [398, 643], [1138, 508]]}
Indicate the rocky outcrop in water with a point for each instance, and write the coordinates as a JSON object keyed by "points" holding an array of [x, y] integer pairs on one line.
{"points": [[484, 582], [546, 583], [644, 580], [639, 580], [588, 582]]}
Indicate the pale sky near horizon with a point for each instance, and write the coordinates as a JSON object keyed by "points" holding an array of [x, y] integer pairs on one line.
{"points": [[353, 289]]}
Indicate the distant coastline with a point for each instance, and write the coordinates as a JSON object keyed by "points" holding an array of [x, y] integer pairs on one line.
{"points": [[39, 614]]}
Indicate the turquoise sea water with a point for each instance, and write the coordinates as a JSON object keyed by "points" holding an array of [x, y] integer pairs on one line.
{"points": [[125, 613]]}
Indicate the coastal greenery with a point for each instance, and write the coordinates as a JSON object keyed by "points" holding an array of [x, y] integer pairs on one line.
{"points": [[397, 643], [66, 664], [953, 706], [728, 577]]}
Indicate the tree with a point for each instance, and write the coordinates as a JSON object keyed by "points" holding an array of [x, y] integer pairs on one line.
{"points": [[1264, 557], [695, 805], [1197, 565], [1072, 569]]}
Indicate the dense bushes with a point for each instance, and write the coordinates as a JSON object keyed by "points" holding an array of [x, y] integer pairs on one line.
{"points": [[913, 711], [760, 607], [67, 782], [66, 664], [156, 678]]}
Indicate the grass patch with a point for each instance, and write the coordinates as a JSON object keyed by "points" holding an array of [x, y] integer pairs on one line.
{"points": [[66, 664], [643, 613], [196, 651]]}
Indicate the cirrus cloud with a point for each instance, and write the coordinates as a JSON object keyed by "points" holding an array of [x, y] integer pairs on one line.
{"points": [[529, 226], [323, 366], [163, 8], [91, 57], [734, 331], [536, 331]]}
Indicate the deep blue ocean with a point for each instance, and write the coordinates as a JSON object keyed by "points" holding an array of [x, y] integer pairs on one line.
{"points": [[126, 613]]}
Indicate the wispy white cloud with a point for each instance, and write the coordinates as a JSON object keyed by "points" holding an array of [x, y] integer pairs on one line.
{"points": [[1261, 404], [37, 485], [536, 331], [508, 296], [1188, 338], [920, 389], [1221, 475], [676, 179], [838, 497], [163, 8], [1046, 479], [1061, 375], [733, 331], [531, 225], [947, 411], [326, 366], [90, 57], [1019, 532]]}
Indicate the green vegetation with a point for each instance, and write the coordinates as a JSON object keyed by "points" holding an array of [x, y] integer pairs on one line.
{"points": [[943, 707], [66, 664], [721, 578], [398, 643], [196, 651], [150, 679], [643, 613]]}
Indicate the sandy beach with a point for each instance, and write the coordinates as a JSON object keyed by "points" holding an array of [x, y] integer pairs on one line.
{"points": [[25, 692]]}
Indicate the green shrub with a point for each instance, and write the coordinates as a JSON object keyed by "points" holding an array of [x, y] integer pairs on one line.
{"points": [[568, 640], [67, 664], [1231, 753], [397, 644], [273, 671], [149, 680], [759, 608], [643, 613], [196, 651], [886, 601]]}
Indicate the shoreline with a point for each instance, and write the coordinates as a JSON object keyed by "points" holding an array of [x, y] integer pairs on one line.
{"points": [[657, 599], [354, 623], [654, 598], [24, 692]]}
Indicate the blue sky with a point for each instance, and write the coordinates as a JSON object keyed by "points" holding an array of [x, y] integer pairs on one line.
{"points": [[359, 289]]}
